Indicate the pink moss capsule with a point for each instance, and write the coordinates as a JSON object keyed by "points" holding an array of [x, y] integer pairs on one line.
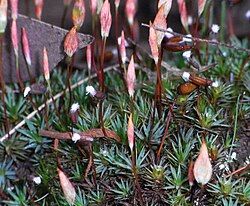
{"points": [[201, 6], [26, 48], [130, 10], [117, 3], [78, 13], [183, 13], [130, 79], [123, 48], [167, 6], [67, 187], [14, 36], [160, 22], [130, 132], [93, 6], [153, 43], [88, 56], [105, 19], [39, 8], [71, 42], [45, 65], [14, 8], [202, 166]]}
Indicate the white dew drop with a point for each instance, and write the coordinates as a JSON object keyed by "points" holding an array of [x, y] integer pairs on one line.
{"points": [[37, 180], [75, 137], [90, 90], [26, 91], [74, 107], [185, 76]]}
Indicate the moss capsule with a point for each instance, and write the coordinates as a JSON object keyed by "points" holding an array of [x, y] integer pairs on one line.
{"points": [[186, 88]]}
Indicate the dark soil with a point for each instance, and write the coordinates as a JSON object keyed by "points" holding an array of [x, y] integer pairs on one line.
{"points": [[243, 147]]}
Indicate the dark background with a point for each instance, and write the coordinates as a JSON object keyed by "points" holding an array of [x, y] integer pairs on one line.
{"points": [[53, 11]]}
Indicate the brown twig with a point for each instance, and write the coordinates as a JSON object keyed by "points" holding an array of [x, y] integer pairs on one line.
{"points": [[159, 84], [82, 152], [174, 70], [238, 170], [201, 40], [63, 136], [91, 154], [88, 167], [166, 131], [86, 136]]}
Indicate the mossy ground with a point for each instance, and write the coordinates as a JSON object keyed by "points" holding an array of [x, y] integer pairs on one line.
{"points": [[163, 182]]}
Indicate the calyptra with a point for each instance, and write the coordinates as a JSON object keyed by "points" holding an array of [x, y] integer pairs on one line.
{"points": [[67, 187], [202, 166]]}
